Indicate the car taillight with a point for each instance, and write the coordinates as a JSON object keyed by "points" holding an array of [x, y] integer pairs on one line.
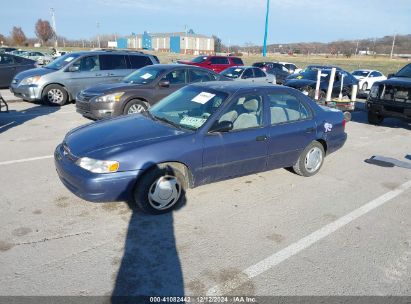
{"points": [[344, 122]]}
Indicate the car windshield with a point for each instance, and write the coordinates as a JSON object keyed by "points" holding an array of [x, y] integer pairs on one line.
{"points": [[404, 72], [312, 75], [360, 73], [189, 107], [143, 76], [61, 61], [233, 72], [199, 59]]}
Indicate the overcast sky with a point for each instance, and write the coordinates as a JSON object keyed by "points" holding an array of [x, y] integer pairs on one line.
{"points": [[235, 21]]}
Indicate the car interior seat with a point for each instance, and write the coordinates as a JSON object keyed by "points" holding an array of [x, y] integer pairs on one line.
{"points": [[250, 117]]}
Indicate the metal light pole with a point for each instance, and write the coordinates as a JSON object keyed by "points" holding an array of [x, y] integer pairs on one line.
{"points": [[53, 24], [98, 34], [266, 29], [393, 44]]}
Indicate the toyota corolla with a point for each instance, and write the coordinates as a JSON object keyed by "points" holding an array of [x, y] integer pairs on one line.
{"points": [[200, 134]]}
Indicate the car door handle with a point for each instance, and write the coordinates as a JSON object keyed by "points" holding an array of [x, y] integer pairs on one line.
{"points": [[309, 130], [110, 74], [98, 74], [261, 138]]}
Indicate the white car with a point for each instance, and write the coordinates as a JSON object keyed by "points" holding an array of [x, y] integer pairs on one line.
{"points": [[291, 67], [248, 73], [367, 78]]}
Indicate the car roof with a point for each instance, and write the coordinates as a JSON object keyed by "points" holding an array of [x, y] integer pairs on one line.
{"points": [[170, 66], [115, 52], [364, 70], [234, 86]]}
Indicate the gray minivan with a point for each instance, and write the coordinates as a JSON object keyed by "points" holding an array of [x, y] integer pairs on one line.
{"points": [[61, 80]]}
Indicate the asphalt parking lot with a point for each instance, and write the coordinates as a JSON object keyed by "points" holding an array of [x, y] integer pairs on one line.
{"points": [[345, 231]]}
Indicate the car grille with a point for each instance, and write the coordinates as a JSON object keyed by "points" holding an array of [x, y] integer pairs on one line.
{"points": [[396, 95]]}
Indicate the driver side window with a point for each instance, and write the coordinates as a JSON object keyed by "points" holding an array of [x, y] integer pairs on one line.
{"points": [[248, 73], [88, 64], [176, 77], [245, 112]]}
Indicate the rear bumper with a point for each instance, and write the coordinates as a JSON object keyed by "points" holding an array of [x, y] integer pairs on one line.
{"points": [[336, 143], [94, 187], [26, 92], [390, 109]]}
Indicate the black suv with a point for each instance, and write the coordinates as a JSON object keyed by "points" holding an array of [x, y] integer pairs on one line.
{"points": [[139, 90], [391, 97]]}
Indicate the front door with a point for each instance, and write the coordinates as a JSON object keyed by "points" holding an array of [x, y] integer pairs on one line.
{"points": [[242, 150], [176, 79]]}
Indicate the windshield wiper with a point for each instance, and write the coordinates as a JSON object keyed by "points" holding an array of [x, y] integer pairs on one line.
{"points": [[163, 119]]}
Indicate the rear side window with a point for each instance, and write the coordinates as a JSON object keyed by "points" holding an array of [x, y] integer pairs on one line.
{"points": [[219, 60], [375, 74], [258, 73], [237, 61], [248, 73], [286, 108], [139, 61], [113, 62], [201, 76]]}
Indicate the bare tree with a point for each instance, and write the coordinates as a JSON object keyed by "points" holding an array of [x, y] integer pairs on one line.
{"points": [[3, 39], [17, 35], [43, 30]]}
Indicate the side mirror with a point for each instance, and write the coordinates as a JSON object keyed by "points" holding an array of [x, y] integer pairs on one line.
{"points": [[390, 75], [222, 126], [74, 68], [164, 83]]}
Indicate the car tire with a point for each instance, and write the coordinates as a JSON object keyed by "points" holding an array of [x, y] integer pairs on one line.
{"points": [[364, 87], [310, 160], [135, 106], [161, 189], [55, 95], [374, 118]]}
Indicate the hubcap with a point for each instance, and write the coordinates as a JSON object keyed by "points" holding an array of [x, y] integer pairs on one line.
{"points": [[136, 108], [164, 192], [364, 87], [313, 159], [55, 96]]}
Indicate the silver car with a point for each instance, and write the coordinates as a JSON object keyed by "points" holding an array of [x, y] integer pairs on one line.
{"points": [[248, 74], [61, 80]]}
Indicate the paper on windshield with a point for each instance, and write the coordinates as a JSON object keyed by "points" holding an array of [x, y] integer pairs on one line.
{"points": [[146, 76], [237, 70], [203, 97], [68, 59], [192, 121]]}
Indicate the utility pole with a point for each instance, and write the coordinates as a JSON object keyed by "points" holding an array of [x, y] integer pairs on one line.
{"points": [[393, 44], [98, 34], [53, 24], [266, 29], [356, 49]]}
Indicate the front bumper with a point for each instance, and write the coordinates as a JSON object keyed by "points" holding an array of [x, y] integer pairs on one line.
{"points": [[390, 109], [96, 110], [26, 92], [94, 187]]}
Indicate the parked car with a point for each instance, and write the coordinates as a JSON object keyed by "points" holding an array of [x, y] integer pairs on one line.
{"points": [[61, 80], [313, 67], [10, 65], [18, 53], [40, 57], [248, 74], [279, 71], [6, 49], [291, 67], [139, 90], [307, 80], [366, 78], [215, 63], [202, 133], [391, 97]]}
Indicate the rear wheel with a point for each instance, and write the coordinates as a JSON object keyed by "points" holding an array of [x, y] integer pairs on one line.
{"points": [[310, 160], [160, 190], [135, 106], [374, 118], [55, 95]]}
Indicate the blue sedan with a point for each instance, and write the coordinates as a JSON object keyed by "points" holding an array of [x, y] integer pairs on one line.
{"points": [[200, 134]]}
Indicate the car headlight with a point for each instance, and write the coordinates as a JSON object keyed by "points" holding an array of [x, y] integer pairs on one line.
{"points": [[30, 80], [98, 166], [374, 91], [110, 97]]}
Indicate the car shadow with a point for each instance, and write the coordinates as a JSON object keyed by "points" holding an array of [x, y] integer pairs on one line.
{"points": [[150, 265], [14, 118]]}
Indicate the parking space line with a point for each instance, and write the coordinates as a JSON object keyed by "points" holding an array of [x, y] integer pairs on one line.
{"points": [[25, 160], [10, 123], [304, 243], [39, 114]]}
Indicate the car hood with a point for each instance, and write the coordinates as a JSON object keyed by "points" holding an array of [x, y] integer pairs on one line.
{"points": [[112, 135], [113, 87], [398, 81], [34, 72], [299, 83]]}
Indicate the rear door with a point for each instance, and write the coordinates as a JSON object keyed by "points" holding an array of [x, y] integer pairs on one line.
{"points": [[260, 76], [218, 64], [292, 128], [114, 67]]}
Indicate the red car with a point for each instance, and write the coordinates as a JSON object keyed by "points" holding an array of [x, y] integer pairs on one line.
{"points": [[215, 63]]}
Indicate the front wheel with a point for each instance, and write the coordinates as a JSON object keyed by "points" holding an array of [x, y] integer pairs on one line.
{"points": [[134, 107], [55, 95], [310, 160], [160, 190], [364, 87]]}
